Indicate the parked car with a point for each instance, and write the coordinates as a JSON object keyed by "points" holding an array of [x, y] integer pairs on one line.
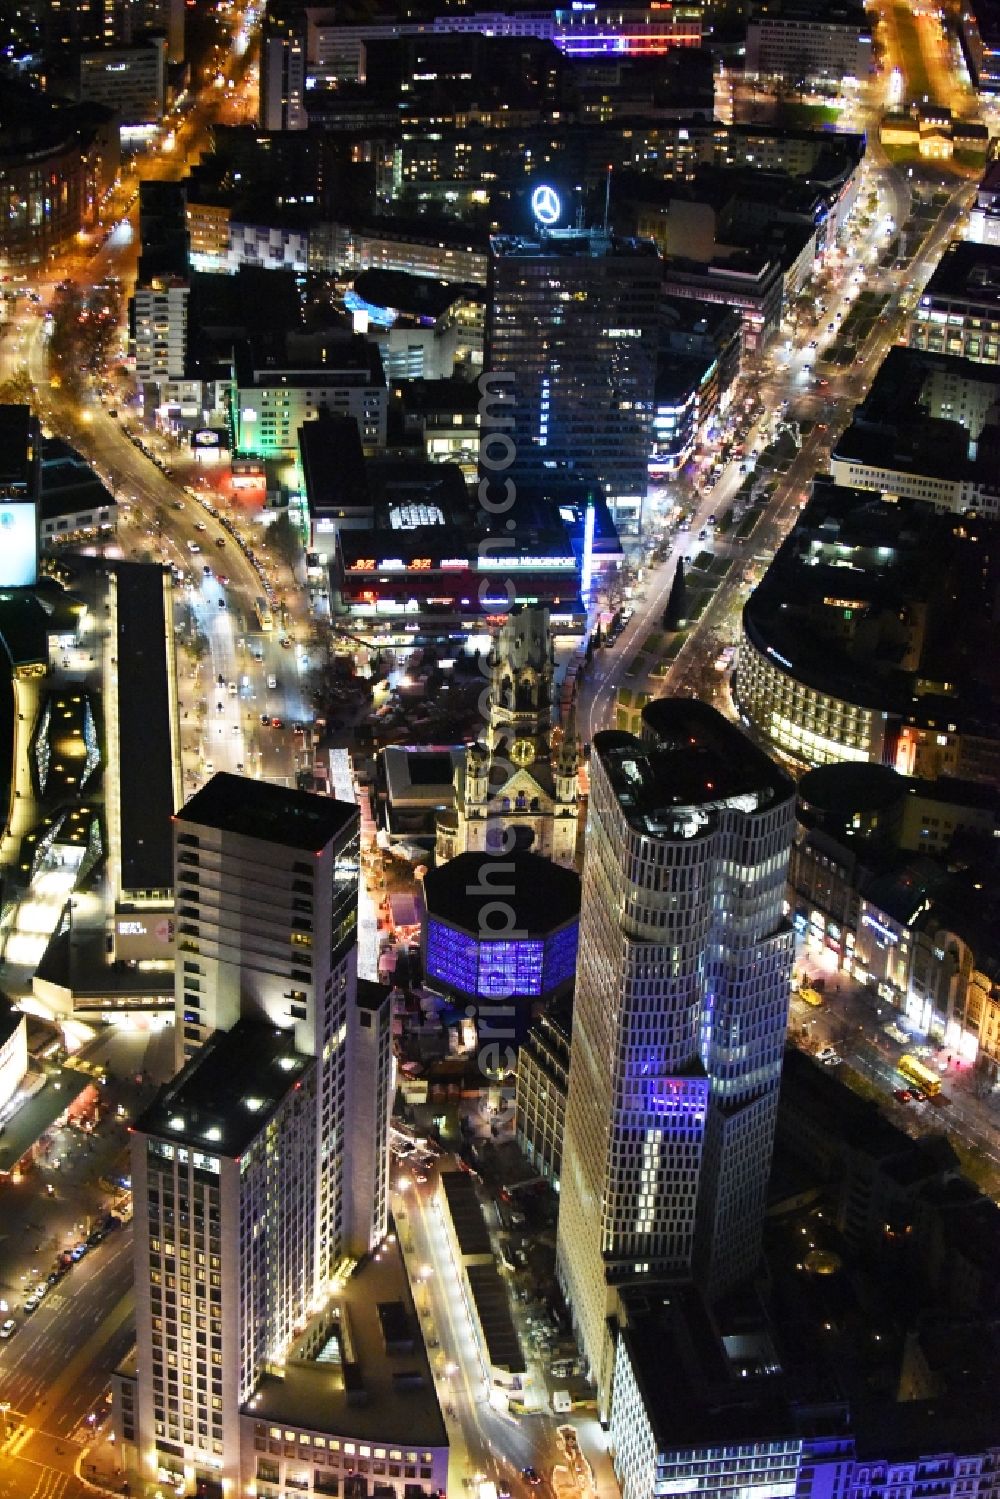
{"points": [[9, 1328]]}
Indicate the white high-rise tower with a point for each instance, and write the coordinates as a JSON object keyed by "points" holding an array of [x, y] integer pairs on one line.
{"points": [[680, 1014], [262, 1168]]}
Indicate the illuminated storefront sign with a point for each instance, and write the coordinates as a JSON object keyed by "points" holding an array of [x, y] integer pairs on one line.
{"points": [[879, 928], [497, 564], [454, 564]]}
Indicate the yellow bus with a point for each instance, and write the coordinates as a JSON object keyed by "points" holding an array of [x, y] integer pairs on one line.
{"points": [[810, 996], [922, 1077], [264, 616]]}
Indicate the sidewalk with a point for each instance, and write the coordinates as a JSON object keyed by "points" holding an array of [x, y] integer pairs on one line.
{"points": [[98, 1467]]}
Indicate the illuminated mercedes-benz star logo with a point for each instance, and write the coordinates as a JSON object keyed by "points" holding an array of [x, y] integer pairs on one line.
{"points": [[545, 205]]}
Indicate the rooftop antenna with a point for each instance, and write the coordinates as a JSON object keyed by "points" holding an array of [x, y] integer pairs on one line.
{"points": [[607, 198]]}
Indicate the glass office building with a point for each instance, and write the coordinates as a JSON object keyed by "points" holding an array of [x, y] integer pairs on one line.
{"points": [[572, 322]]}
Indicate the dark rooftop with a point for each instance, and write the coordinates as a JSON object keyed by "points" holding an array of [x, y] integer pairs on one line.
{"points": [[967, 270], [333, 465], [68, 482], [259, 809], [145, 752], [540, 895], [701, 1402], [24, 628], [255, 302], [36, 1114], [421, 297], [690, 758], [229, 1089], [489, 1292], [846, 788], [429, 397], [378, 1392], [897, 407], [78, 961], [887, 560], [677, 375], [16, 429], [689, 315], [300, 360], [466, 1213]]}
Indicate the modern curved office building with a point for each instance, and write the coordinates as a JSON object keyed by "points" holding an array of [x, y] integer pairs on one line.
{"points": [[679, 1017]]}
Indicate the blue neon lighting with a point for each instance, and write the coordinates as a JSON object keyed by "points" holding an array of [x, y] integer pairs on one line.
{"points": [[527, 966]]}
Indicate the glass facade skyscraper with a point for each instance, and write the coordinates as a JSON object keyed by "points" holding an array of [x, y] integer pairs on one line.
{"points": [[680, 1014], [572, 317]]}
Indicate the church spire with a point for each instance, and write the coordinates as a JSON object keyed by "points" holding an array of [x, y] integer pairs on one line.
{"points": [[568, 756]]}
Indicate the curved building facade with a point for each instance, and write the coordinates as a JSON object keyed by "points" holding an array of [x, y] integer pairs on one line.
{"points": [[870, 638], [679, 1016], [55, 166], [801, 718]]}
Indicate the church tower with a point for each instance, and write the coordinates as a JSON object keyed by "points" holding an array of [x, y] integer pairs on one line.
{"points": [[522, 671], [519, 787]]}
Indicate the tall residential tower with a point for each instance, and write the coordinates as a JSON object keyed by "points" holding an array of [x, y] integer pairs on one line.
{"points": [[283, 67], [261, 1171], [680, 1014], [267, 909]]}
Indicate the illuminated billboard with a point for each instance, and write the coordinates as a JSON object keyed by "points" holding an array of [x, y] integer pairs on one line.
{"points": [[18, 544], [146, 936]]}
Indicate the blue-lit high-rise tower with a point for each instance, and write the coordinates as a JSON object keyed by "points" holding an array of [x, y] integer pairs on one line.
{"points": [[572, 322], [680, 1014]]}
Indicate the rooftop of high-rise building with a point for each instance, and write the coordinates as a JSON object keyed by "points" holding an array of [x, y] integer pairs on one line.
{"points": [[560, 244], [966, 270], [853, 569], [274, 814], [537, 895], [690, 762], [379, 1386], [721, 1390], [228, 1090], [302, 359]]}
